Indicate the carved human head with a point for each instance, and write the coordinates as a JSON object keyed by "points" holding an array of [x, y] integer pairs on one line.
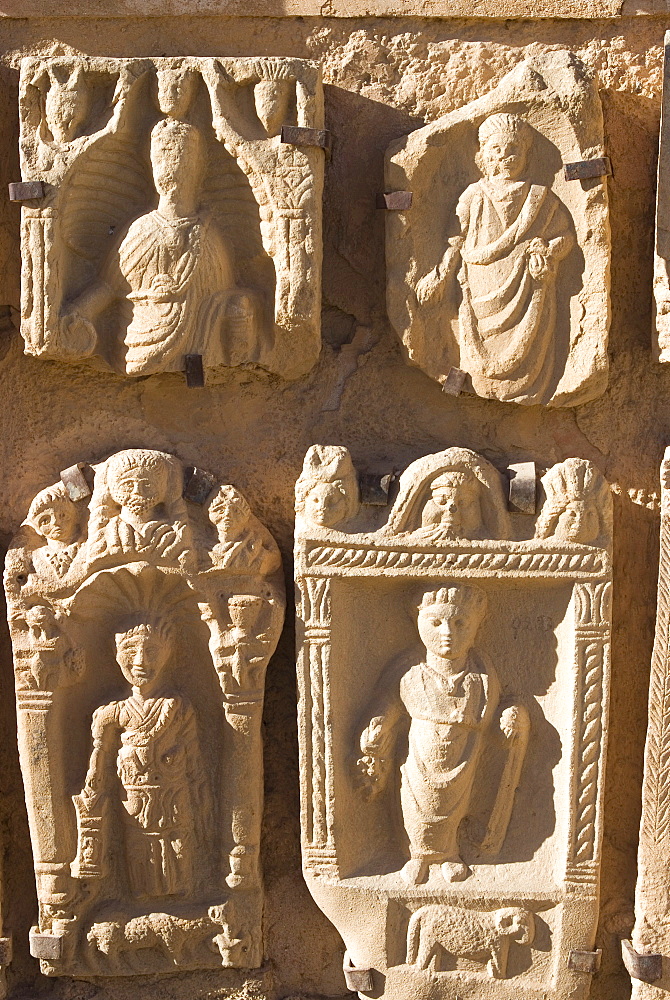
{"points": [[272, 94], [54, 516], [176, 88], [229, 512], [43, 628], [449, 618], [143, 650], [577, 504], [327, 489], [504, 142], [454, 504], [67, 102], [137, 480], [177, 156]]}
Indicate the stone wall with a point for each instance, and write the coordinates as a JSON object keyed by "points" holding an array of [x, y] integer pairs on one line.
{"points": [[384, 76]]}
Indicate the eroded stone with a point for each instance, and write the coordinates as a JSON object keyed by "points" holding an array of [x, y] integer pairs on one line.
{"points": [[210, 247], [141, 626], [505, 275], [454, 680]]}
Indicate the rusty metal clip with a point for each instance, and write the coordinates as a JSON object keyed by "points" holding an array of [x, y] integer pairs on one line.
{"points": [[74, 481], [452, 383], [5, 951], [195, 376], [46, 946], [375, 488], [585, 961], [523, 488], [646, 968], [297, 135], [395, 201], [583, 170], [356, 979], [26, 190], [198, 484]]}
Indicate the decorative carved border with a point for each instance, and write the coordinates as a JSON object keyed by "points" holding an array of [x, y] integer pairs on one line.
{"points": [[527, 559]]}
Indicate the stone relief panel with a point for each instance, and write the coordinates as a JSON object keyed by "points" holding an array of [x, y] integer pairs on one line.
{"points": [[174, 219], [453, 668], [500, 267], [651, 934], [142, 618]]}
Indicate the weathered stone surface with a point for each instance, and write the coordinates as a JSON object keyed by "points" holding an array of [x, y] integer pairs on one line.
{"points": [[651, 935], [384, 78], [501, 266], [433, 835], [226, 266], [152, 864]]}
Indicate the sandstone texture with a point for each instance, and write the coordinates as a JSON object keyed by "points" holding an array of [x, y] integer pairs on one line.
{"points": [[383, 78]]}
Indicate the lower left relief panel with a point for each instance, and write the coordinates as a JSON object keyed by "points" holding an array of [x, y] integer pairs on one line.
{"points": [[144, 600]]}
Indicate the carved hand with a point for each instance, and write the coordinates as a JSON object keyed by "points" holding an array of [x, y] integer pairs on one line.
{"points": [[540, 258]]}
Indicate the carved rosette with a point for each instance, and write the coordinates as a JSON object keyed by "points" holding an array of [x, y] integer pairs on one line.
{"points": [[404, 854], [142, 617]]}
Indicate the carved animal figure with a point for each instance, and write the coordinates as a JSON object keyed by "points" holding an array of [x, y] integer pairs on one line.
{"points": [[472, 934], [174, 936]]}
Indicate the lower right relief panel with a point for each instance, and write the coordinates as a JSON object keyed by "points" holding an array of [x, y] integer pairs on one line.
{"points": [[454, 674]]}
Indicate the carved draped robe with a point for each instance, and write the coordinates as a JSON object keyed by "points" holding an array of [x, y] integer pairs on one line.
{"points": [[161, 787], [174, 279], [507, 317], [449, 717]]}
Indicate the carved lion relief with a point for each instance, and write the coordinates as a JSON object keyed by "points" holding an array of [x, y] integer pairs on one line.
{"points": [[174, 220], [142, 623], [453, 670], [500, 267]]}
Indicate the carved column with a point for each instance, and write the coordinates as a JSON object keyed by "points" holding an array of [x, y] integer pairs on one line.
{"points": [[651, 934], [315, 721]]}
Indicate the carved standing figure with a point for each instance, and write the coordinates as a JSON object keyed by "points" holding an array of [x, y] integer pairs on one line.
{"points": [[146, 755], [514, 234], [450, 699], [171, 272]]}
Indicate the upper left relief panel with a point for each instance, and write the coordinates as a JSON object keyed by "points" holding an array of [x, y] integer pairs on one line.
{"points": [[175, 220]]}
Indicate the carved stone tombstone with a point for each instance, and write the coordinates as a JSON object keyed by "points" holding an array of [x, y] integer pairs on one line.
{"points": [[453, 677], [500, 267], [142, 617], [174, 219], [647, 959]]}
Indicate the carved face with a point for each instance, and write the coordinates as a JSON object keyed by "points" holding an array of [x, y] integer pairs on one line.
{"points": [[176, 161], [230, 514], [578, 522], [271, 98], [43, 630], [142, 658], [139, 490], [58, 522], [66, 107], [455, 507], [503, 156], [326, 504], [447, 630]]}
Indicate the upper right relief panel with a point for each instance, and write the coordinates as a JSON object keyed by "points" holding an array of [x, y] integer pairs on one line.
{"points": [[500, 267]]}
